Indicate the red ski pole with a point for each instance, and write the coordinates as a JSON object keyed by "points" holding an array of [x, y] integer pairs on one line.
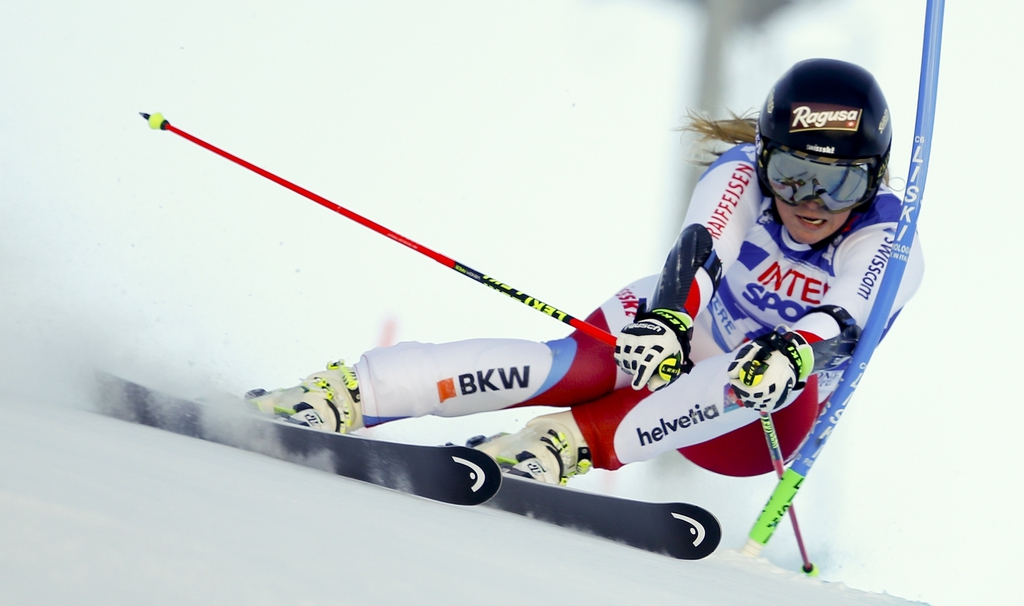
{"points": [[780, 468], [157, 122]]}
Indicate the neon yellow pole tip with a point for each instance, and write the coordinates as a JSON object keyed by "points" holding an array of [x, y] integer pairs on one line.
{"points": [[813, 572], [156, 121]]}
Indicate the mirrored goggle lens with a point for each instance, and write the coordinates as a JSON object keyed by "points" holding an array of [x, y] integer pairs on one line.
{"points": [[839, 186]]}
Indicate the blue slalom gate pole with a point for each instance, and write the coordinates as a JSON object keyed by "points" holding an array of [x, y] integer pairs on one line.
{"points": [[903, 239]]}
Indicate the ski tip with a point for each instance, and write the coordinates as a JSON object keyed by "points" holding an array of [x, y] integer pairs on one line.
{"points": [[156, 121]]}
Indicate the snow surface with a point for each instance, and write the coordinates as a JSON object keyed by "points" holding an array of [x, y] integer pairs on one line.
{"points": [[117, 513], [518, 138]]}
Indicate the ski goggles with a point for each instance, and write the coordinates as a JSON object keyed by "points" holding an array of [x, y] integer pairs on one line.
{"points": [[838, 184]]}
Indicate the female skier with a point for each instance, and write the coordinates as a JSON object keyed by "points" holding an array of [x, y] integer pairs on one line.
{"points": [[758, 307]]}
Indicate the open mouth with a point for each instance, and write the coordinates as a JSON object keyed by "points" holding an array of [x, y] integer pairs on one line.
{"points": [[811, 220]]}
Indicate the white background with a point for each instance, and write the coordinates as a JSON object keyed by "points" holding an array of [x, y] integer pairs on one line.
{"points": [[534, 142]]}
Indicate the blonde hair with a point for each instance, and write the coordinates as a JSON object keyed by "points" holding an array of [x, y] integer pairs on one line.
{"points": [[711, 134]]}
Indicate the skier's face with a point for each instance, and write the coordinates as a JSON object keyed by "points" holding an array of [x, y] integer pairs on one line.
{"points": [[808, 222]]}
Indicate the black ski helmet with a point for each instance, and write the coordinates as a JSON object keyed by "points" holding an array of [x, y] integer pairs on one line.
{"points": [[827, 109]]}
